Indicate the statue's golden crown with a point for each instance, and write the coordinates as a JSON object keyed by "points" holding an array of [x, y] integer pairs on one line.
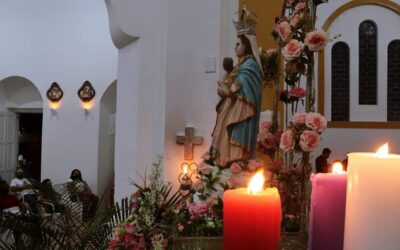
{"points": [[245, 22]]}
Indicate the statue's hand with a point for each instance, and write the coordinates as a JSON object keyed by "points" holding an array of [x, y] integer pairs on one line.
{"points": [[223, 90]]}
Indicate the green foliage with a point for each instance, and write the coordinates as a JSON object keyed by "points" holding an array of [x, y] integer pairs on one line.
{"points": [[59, 231]]}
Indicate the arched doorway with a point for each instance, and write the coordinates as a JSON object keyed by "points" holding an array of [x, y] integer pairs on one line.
{"points": [[21, 122], [106, 150]]}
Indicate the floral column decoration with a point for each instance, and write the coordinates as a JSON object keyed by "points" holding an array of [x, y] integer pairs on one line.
{"points": [[289, 147]]}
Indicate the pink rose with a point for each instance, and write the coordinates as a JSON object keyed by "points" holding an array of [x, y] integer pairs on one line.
{"points": [[255, 164], [268, 140], [198, 185], [299, 118], [265, 126], [297, 92], [290, 2], [292, 50], [295, 21], [205, 170], [240, 180], [180, 227], [284, 30], [316, 40], [287, 140], [309, 140], [316, 122], [300, 6], [235, 168], [223, 162], [202, 207]]}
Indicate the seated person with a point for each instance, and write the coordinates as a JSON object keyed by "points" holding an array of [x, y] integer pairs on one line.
{"points": [[85, 194], [48, 195], [23, 188], [7, 200], [321, 163]]}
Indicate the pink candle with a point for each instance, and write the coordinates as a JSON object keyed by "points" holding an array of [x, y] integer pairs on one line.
{"points": [[252, 221], [327, 212]]}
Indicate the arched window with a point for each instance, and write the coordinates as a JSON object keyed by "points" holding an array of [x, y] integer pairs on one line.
{"points": [[393, 95], [367, 91], [340, 82]]}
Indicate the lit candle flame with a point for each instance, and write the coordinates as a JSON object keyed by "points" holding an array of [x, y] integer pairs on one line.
{"points": [[337, 168], [256, 183], [185, 168], [382, 151]]}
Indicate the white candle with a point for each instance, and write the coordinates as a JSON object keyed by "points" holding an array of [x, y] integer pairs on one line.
{"points": [[373, 202]]}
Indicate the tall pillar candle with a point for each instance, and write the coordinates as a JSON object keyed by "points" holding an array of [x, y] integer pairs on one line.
{"points": [[373, 202], [327, 211], [252, 221]]}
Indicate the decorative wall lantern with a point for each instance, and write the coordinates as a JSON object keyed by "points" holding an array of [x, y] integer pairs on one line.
{"points": [[54, 93], [86, 92]]}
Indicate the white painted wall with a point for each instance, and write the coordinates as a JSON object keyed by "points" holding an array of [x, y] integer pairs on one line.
{"points": [[67, 42], [139, 31], [341, 140], [197, 29], [161, 76]]}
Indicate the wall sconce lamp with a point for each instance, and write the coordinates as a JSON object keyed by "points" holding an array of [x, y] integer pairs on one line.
{"points": [[54, 94], [86, 92]]}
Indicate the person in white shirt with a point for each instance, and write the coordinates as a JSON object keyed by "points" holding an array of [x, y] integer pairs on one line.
{"points": [[22, 187]]}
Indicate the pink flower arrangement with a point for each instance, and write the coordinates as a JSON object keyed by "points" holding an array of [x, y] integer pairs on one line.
{"points": [[253, 165], [297, 92], [316, 121], [199, 208], [295, 21], [299, 118], [198, 185], [204, 169], [292, 50], [267, 140], [309, 140], [284, 30], [235, 168], [300, 6], [287, 140], [265, 126], [316, 40]]}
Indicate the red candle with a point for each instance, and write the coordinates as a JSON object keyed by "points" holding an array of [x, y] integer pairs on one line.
{"points": [[252, 220]]}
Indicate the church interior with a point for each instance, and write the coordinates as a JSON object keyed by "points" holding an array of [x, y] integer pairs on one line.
{"points": [[122, 90]]}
